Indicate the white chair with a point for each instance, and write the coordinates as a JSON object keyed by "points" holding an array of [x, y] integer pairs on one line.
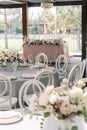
{"points": [[41, 58], [61, 65], [74, 75], [27, 90], [45, 75], [82, 68], [80, 83], [7, 102]]}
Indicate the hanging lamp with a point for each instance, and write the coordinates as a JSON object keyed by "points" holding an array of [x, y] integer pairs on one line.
{"points": [[46, 5]]}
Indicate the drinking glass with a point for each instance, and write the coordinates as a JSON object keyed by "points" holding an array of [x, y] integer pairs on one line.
{"points": [[30, 59]]}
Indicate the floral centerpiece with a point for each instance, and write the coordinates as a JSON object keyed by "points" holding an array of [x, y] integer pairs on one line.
{"points": [[9, 56], [64, 103], [27, 41]]}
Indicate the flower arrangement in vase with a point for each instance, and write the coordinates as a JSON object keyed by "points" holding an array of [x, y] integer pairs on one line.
{"points": [[9, 56], [64, 104]]}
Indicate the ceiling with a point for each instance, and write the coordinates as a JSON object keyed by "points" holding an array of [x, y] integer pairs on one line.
{"points": [[18, 3]]}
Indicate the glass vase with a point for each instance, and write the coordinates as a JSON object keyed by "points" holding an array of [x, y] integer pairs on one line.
{"points": [[9, 66], [52, 123], [76, 123], [12, 66]]}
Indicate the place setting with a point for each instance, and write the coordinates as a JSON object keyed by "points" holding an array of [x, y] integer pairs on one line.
{"points": [[28, 75], [11, 77], [9, 117]]}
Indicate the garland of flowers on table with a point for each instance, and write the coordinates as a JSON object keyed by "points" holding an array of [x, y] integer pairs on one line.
{"points": [[27, 41]]}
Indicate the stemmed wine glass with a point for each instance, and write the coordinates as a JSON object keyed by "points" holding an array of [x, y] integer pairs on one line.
{"points": [[30, 59]]}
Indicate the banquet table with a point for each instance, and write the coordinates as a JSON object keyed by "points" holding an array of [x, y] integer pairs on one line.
{"points": [[18, 79], [33, 123], [51, 51]]}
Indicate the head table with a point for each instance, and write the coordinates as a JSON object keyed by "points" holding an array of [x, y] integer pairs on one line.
{"points": [[18, 79], [51, 51]]}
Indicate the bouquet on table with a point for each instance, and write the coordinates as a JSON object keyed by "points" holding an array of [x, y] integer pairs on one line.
{"points": [[9, 56], [62, 103]]}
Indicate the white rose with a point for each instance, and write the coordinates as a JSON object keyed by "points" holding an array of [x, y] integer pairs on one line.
{"points": [[49, 89], [53, 98], [81, 83], [63, 98], [75, 92], [43, 99], [65, 81]]}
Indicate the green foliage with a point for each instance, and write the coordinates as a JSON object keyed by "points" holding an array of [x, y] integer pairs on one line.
{"points": [[34, 28], [74, 128], [46, 114], [85, 114]]}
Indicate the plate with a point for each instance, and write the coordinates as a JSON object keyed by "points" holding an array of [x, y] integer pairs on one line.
{"points": [[23, 65], [30, 75], [11, 77], [7, 117]]}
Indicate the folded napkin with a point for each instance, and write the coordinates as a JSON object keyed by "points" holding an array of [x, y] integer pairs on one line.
{"points": [[24, 64], [10, 116], [41, 65], [11, 77], [28, 75]]}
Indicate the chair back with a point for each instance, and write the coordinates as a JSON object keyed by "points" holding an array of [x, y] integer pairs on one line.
{"points": [[27, 90], [61, 65], [41, 58], [46, 77], [5, 93], [82, 68], [74, 75]]}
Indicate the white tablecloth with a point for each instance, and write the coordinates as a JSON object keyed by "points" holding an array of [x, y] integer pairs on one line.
{"points": [[34, 124]]}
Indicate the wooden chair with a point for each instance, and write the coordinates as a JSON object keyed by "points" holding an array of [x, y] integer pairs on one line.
{"points": [[27, 90], [7, 102]]}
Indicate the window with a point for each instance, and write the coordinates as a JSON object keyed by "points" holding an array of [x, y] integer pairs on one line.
{"points": [[58, 22], [11, 28]]}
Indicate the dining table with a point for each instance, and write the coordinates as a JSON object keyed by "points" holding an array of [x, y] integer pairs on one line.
{"points": [[21, 120], [23, 74], [15, 119]]}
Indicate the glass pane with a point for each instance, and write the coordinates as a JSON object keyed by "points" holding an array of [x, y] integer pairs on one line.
{"points": [[58, 22], [11, 28]]}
